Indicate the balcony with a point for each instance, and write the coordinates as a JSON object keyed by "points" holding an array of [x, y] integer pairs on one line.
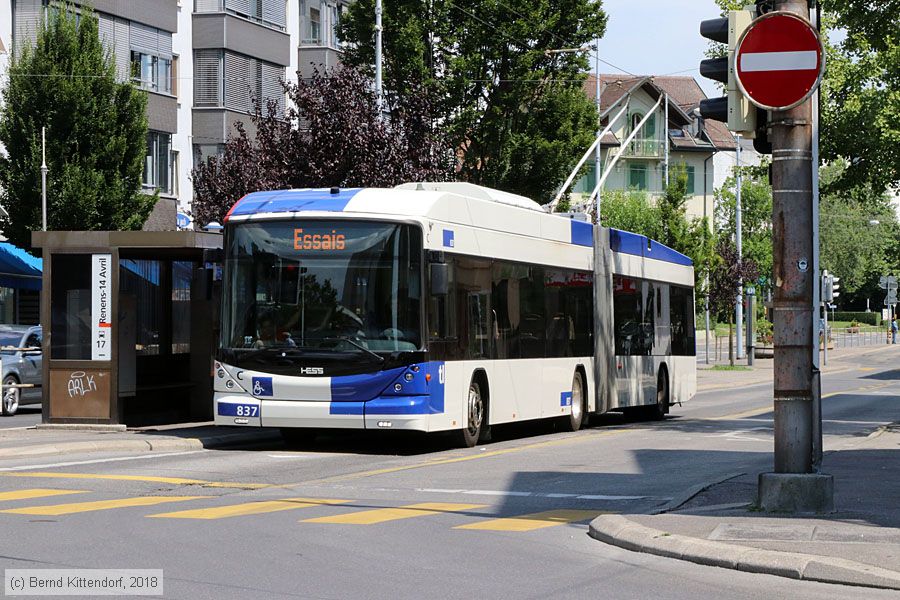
{"points": [[650, 148]]}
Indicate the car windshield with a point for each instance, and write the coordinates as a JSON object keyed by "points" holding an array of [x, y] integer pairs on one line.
{"points": [[335, 286], [9, 340]]}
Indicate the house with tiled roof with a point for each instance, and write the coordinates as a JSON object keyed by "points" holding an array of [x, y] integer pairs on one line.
{"points": [[692, 141]]}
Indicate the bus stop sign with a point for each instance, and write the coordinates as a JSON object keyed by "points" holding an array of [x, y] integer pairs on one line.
{"points": [[778, 61]]}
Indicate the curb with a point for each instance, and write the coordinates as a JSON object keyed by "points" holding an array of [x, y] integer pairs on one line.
{"points": [[624, 533], [142, 444]]}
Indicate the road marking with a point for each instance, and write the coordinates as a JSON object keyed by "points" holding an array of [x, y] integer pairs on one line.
{"points": [[541, 520], [530, 494], [36, 493], [572, 439], [80, 507], [97, 460], [765, 409], [248, 508], [382, 515], [144, 478]]}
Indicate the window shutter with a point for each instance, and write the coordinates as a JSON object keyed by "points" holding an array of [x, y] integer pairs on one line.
{"points": [[122, 49], [208, 6], [241, 7], [271, 84], [275, 12], [144, 39], [238, 82], [208, 78], [27, 19]]}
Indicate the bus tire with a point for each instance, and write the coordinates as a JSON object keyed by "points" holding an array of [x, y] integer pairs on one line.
{"points": [[298, 436], [658, 411], [575, 419], [470, 435]]}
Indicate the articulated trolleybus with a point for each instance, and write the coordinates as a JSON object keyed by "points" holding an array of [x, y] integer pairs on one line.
{"points": [[443, 307]]}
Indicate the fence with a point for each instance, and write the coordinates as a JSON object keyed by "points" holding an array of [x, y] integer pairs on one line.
{"points": [[846, 337]]}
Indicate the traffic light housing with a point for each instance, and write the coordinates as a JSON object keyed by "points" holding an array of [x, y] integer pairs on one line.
{"points": [[734, 108], [830, 287]]}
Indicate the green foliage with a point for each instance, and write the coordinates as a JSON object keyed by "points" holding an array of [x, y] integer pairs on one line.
{"points": [[96, 135], [869, 318], [517, 115], [852, 247], [664, 221], [756, 215]]}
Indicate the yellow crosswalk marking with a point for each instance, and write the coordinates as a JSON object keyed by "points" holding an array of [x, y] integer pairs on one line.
{"points": [[249, 508], [79, 507], [36, 493], [530, 522], [382, 515], [146, 478]]}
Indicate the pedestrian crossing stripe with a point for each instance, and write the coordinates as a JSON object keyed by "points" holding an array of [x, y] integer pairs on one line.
{"points": [[549, 518], [145, 478], [80, 507], [36, 493], [383, 515], [247, 508]]}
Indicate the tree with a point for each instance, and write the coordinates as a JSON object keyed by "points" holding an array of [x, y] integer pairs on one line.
{"points": [[96, 135], [858, 237], [517, 114], [727, 272], [665, 221], [756, 215], [332, 135]]}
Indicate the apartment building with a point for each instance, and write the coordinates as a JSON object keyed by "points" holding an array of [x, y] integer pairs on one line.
{"points": [[201, 62], [692, 142]]}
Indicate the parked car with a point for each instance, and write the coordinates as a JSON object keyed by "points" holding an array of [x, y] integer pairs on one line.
{"points": [[20, 366]]}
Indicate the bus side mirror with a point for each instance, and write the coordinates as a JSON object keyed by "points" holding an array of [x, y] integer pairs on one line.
{"points": [[440, 278]]}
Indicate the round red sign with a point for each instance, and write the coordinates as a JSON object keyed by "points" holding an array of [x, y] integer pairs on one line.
{"points": [[779, 61]]}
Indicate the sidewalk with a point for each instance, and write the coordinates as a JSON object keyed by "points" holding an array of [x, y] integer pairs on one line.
{"points": [[718, 374], [718, 524], [49, 441]]}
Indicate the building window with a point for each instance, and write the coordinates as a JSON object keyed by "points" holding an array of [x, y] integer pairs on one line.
{"points": [[637, 176], [690, 180], [151, 72], [158, 162], [310, 23], [209, 76], [202, 152]]}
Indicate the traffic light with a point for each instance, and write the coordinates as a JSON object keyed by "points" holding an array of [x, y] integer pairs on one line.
{"points": [[830, 287], [734, 108]]}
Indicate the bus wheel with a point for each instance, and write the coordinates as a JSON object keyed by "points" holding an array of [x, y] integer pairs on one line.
{"points": [[658, 411], [575, 419], [469, 435], [298, 436]]}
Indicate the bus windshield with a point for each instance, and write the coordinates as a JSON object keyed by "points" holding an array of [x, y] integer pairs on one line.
{"points": [[321, 287]]}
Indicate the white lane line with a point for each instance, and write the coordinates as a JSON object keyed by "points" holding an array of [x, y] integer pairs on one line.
{"points": [[838, 421], [532, 494], [96, 461]]}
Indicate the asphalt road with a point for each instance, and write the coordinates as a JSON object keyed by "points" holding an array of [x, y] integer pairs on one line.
{"points": [[409, 517], [26, 416]]}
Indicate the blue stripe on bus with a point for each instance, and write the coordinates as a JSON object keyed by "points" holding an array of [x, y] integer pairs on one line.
{"points": [[278, 201], [626, 242], [376, 393], [582, 233]]}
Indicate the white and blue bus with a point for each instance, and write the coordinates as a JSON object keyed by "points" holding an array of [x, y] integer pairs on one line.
{"points": [[443, 307]]}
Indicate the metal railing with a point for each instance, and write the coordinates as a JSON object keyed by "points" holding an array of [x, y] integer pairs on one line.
{"points": [[844, 337], [644, 148]]}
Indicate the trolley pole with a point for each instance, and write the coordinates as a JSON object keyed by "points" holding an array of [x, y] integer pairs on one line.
{"points": [[44, 170], [794, 486]]}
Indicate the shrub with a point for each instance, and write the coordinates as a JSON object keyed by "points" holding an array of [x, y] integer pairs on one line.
{"points": [[871, 318]]}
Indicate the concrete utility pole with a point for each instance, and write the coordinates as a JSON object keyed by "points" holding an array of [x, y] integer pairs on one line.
{"points": [[597, 159], [739, 300], [793, 486]]}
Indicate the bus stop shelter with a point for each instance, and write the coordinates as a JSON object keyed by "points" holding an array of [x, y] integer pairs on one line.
{"points": [[130, 321]]}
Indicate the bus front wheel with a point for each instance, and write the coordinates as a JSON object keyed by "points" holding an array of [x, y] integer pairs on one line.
{"points": [[658, 411], [469, 435], [575, 419]]}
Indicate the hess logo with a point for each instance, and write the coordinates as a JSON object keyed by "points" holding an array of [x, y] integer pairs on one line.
{"points": [[312, 371]]}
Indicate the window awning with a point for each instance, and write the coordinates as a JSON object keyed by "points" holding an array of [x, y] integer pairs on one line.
{"points": [[18, 269]]}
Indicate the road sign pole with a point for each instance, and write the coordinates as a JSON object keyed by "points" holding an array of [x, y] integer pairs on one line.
{"points": [[793, 487]]}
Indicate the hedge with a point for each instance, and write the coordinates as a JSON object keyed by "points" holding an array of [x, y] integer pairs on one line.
{"points": [[868, 318]]}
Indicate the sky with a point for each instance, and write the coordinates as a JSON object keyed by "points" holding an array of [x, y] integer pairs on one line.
{"points": [[657, 37]]}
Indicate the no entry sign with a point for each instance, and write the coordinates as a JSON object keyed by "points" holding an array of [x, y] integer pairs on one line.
{"points": [[779, 61]]}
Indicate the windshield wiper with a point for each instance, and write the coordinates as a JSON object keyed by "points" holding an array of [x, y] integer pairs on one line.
{"points": [[352, 342], [283, 349]]}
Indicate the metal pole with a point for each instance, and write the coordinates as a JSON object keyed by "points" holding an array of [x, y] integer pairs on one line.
{"points": [[791, 134], [597, 154], [817, 289], [739, 301], [44, 171], [378, 89], [666, 140]]}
